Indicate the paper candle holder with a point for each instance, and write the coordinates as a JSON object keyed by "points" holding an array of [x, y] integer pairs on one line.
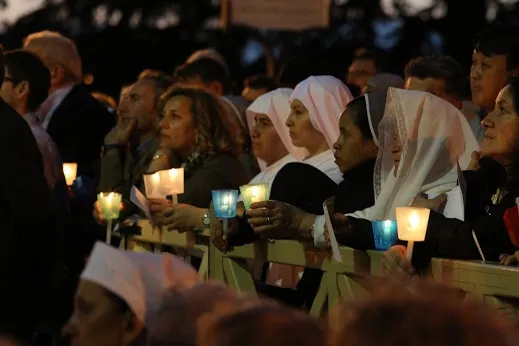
{"points": [[70, 172], [254, 193], [110, 204], [412, 223], [384, 233], [164, 183], [224, 203]]}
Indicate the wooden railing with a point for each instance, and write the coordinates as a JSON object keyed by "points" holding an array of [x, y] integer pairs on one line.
{"points": [[350, 280]]}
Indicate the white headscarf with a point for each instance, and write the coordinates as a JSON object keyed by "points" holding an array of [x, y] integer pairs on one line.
{"points": [[324, 97], [434, 135], [276, 106], [137, 278]]}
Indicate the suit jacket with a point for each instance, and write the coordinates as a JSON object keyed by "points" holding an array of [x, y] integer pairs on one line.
{"points": [[29, 238], [78, 127]]}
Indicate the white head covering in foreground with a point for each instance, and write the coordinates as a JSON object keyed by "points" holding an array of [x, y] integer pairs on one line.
{"points": [[434, 135], [137, 278], [324, 97]]}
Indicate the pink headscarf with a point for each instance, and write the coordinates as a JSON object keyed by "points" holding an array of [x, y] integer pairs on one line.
{"points": [[324, 97]]}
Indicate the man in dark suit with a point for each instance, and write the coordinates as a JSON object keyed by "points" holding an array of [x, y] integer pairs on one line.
{"points": [[73, 118], [27, 232]]}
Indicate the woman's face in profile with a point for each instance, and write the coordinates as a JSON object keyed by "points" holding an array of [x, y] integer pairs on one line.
{"points": [[352, 148], [177, 131], [96, 321], [302, 132], [266, 144], [501, 141]]}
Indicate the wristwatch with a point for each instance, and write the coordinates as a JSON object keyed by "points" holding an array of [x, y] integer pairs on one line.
{"points": [[206, 219]]}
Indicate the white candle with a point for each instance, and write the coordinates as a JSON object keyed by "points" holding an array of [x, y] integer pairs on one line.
{"points": [[70, 172], [164, 183], [412, 226]]}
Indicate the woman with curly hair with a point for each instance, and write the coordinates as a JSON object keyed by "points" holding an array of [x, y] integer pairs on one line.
{"points": [[207, 140]]}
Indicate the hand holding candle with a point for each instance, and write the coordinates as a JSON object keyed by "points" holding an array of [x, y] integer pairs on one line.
{"points": [[254, 193], [412, 226], [110, 205], [70, 172]]}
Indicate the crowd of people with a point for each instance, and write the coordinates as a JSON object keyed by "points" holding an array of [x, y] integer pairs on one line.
{"points": [[371, 141]]}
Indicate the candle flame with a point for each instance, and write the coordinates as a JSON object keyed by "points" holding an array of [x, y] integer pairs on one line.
{"points": [[156, 178], [387, 227], [70, 171], [226, 199], [173, 173], [254, 192], [414, 220]]}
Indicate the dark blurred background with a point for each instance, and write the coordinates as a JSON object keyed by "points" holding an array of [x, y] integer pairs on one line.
{"points": [[119, 38]]}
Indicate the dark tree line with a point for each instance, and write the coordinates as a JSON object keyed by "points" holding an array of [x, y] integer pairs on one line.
{"points": [[132, 28]]}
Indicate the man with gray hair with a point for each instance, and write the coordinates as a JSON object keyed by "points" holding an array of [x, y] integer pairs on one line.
{"points": [[73, 118]]}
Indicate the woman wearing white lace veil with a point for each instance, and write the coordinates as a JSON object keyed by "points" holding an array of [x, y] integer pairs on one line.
{"points": [[423, 137], [434, 136], [316, 105]]}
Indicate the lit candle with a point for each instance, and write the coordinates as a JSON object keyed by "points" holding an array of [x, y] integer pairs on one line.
{"points": [[384, 234], [412, 226], [110, 205], [225, 202], [254, 193], [164, 183], [70, 172], [224, 205]]}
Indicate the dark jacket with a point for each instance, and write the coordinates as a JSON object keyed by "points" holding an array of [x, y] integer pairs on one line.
{"points": [[78, 127], [221, 171], [306, 188], [30, 240]]}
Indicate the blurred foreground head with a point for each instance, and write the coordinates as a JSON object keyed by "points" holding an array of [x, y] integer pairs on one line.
{"points": [[184, 310], [264, 324], [426, 315]]}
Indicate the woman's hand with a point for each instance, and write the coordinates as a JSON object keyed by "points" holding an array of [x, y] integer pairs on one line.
{"points": [[509, 260], [435, 204], [474, 161], [278, 220], [395, 263], [180, 217]]}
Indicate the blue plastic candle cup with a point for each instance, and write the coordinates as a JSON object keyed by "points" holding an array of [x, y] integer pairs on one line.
{"points": [[224, 203], [385, 234]]}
